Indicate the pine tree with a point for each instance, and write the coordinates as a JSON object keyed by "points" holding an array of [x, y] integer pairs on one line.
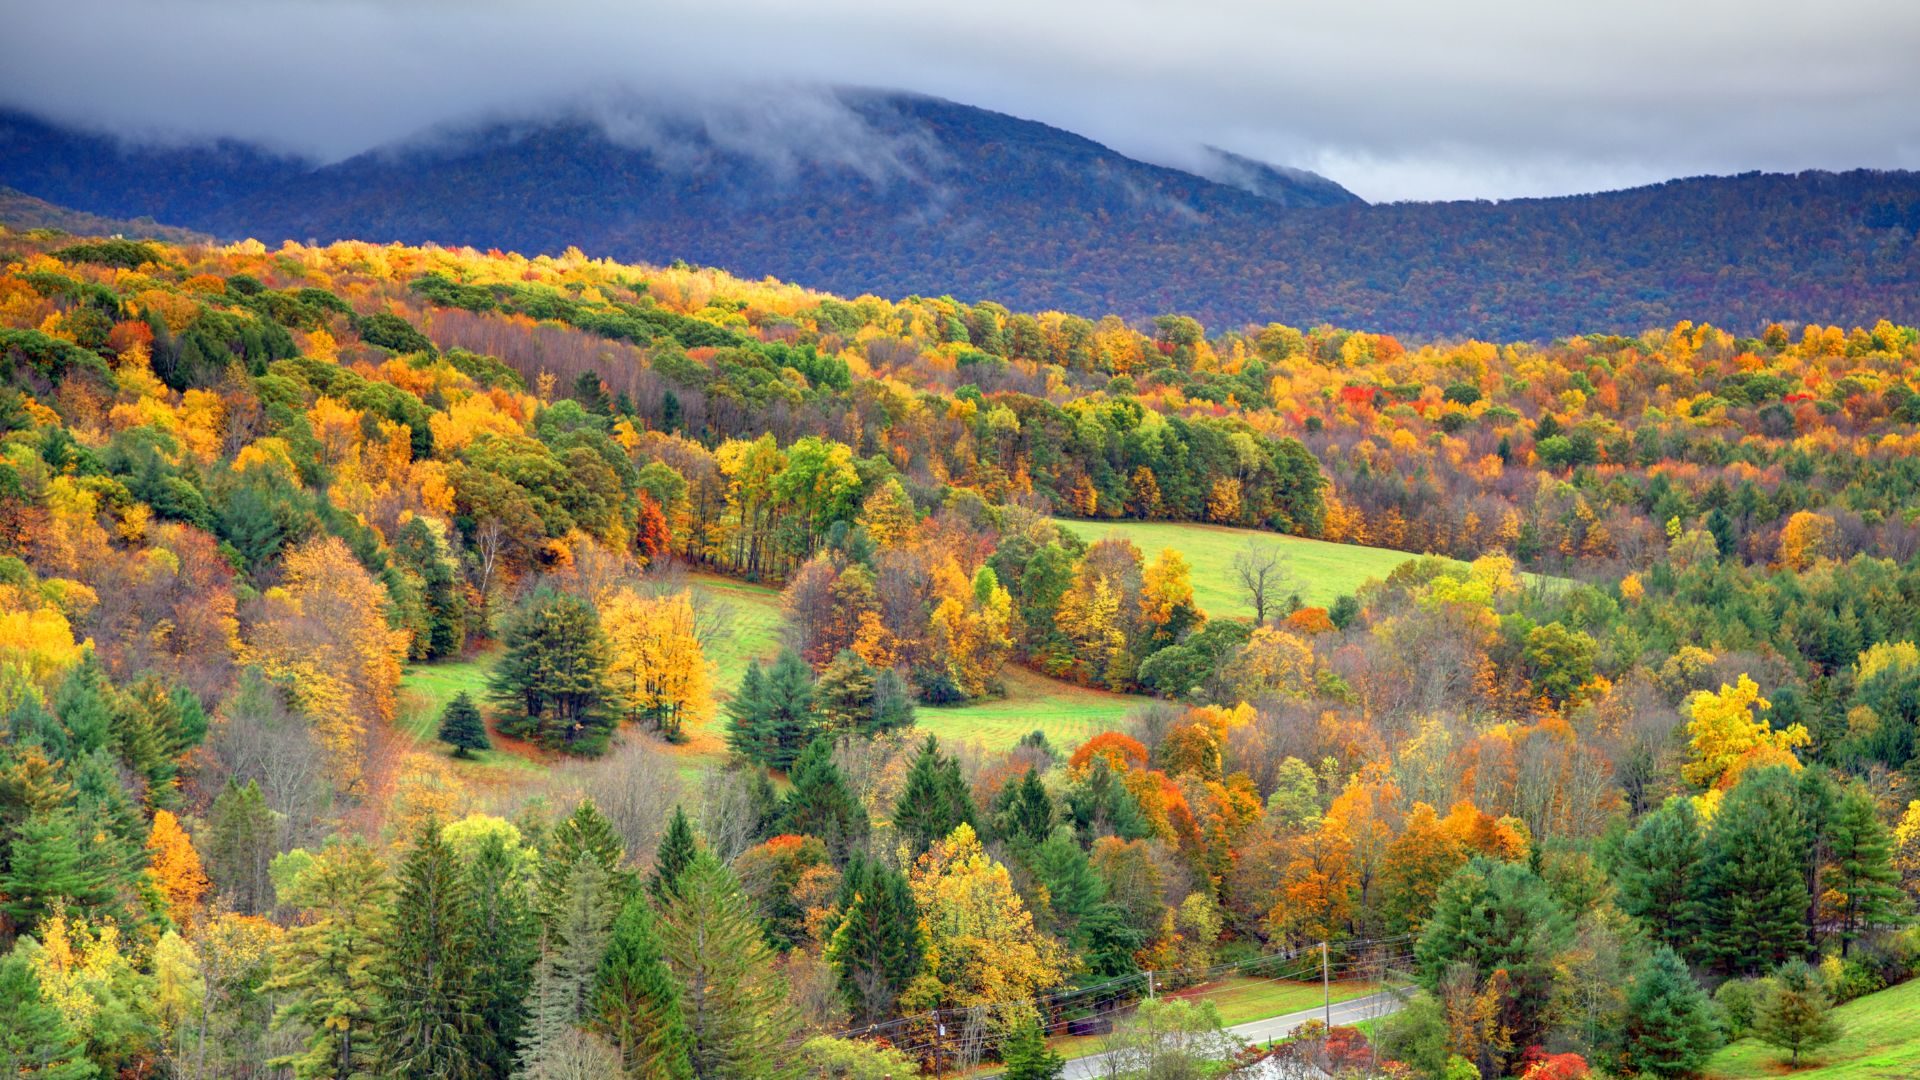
{"points": [[734, 1002], [550, 682], [1862, 874], [677, 849], [747, 714], [934, 801], [1795, 1013], [1026, 1057], [462, 727], [45, 870], [636, 1002], [579, 935], [1669, 1027], [1662, 876], [585, 835], [35, 1039], [877, 950], [505, 948], [327, 964], [1074, 891], [1023, 813], [822, 805], [1757, 892], [427, 1024], [242, 847], [789, 723]]}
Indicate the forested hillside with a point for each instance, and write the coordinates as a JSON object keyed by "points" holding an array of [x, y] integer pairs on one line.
{"points": [[902, 194], [245, 489]]}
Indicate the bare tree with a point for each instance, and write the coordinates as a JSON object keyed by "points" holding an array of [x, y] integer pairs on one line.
{"points": [[1264, 580]]}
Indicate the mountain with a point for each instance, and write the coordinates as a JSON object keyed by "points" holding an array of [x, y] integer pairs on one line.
{"points": [[20, 211], [899, 194]]}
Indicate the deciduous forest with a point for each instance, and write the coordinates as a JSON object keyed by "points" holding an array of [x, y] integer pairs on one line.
{"points": [[1613, 766]]}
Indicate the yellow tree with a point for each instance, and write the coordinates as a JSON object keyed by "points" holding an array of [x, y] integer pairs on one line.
{"points": [[655, 662], [1807, 538], [1166, 597], [1726, 736], [1317, 886], [972, 628], [176, 869], [982, 946]]}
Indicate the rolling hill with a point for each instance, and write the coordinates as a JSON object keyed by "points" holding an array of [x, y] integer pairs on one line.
{"points": [[898, 194]]}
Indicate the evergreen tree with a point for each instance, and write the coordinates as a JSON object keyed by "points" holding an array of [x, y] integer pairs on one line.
{"points": [[429, 981], [578, 938], [677, 849], [1100, 805], [636, 1002], [1795, 1013], [790, 723], [46, 870], [822, 805], [1669, 1027], [550, 683], [1862, 875], [733, 1001], [877, 950], [1109, 942], [585, 835], [35, 1039], [1023, 812], [505, 949], [1757, 890], [935, 800], [326, 967], [462, 727], [844, 694], [243, 839], [747, 715], [1026, 1057], [1074, 890], [1662, 876]]}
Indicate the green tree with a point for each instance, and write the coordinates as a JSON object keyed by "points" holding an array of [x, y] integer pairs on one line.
{"points": [[878, 948], [734, 1002], [1500, 917], [1669, 1027], [935, 799], [462, 728], [677, 849], [35, 1039], [821, 804], [1861, 869], [1074, 891], [327, 965], [1662, 876], [505, 947], [585, 835], [636, 1002], [1025, 1055], [550, 682], [426, 1023], [46, 870], [1023, 812], [244, 835], [1757, 889], [1795, 1013], [772, 717]]}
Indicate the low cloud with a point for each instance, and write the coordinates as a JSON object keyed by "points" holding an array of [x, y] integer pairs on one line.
{"points": [[1393, 98]]}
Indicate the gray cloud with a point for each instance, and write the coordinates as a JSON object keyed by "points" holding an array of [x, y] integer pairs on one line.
{"points": [[1394, 98]]}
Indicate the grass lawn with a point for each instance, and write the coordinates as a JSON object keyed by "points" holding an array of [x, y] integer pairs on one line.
{"points": [[1242, 999], [1880, 1040], [1324, 571], [1069, 714], [425, 690]]}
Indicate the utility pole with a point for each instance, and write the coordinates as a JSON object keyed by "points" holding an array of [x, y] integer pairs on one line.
{"points": [[1149, 986], [1326, 986]]}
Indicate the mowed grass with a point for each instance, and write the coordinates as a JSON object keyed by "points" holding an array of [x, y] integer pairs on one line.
{"points": [[1069, 714], [1245, 998], [1323, 571], [1880, 1041], [425, 690]]}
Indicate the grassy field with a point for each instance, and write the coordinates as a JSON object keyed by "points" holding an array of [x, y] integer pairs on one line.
{"points": [[425, 690], [1323, 571], [1069, 714], [1243, 999], [1880, 1041]]}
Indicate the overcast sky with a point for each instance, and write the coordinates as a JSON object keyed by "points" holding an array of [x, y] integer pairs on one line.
{"points": [[1396, 99]]}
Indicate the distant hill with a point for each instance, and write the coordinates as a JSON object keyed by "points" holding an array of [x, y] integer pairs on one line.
{"points": [[917, 195], [22, 211]]}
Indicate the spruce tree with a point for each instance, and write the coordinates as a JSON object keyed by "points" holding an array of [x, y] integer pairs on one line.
{"points": [[1025, 1055], [1757, 895], [934, 801], [636, 1002], [35, 1039], [505, 948], [427, 1024], [585, 835], [578, 937], [1074, 891], [244, 838], [677, 849], [1669, 1027], [46, 870], [1862, 874], [733, 1001], [822, 805], [790, 723], [1023, 812], [747, 715], [1795, 1013], [462, 727], [1662, 876], [877, 949]]}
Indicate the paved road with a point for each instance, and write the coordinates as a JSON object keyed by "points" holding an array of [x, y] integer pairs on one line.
{"points": [[1259, 1031]]}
